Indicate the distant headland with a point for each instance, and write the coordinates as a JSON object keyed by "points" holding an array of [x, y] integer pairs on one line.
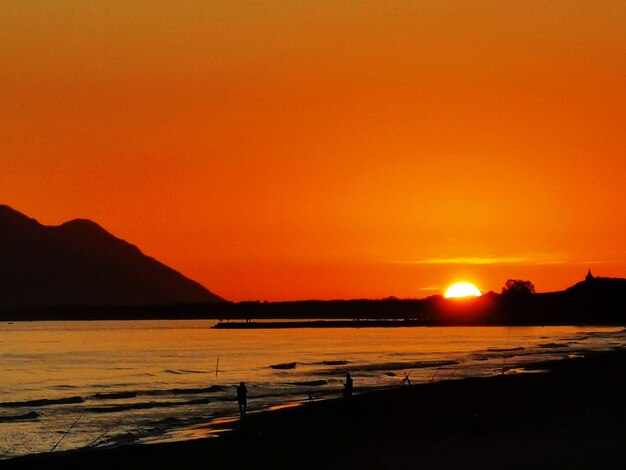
{"points": [[80, 264]]}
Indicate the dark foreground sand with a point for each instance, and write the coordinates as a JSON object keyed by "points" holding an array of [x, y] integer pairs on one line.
{"points": [[571, 418]]}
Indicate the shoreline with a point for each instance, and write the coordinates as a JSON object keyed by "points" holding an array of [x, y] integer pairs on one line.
{"points": [[569, 417], [397, 323]]}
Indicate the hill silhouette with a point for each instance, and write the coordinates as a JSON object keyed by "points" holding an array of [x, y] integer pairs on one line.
{"points": [[79, 263]]}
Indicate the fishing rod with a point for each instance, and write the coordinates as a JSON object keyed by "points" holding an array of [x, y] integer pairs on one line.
{"points": [[508, 340], [459, 366], [108, 430], [70, 428], [103, 434], [439, 368]]}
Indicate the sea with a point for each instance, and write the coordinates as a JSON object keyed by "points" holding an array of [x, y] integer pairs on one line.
{"points": [[71, 385]]}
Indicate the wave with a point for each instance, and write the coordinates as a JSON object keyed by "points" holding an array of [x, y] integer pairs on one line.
{"points": [[152, 429], [156, 392], [338, 362], [113, 395], [184, 371], [286, 365], [185, 391], [121, 395], [480, 358], [24, 417], [109, 385], [505, 349], [146, 406], [310, 383], [119, 439], [552, 345], [388, 366], [42, 402], [606, 333], [168, 422], [510, 354]]}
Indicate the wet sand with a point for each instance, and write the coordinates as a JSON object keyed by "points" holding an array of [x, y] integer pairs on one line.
{"points": [[572, 417]]}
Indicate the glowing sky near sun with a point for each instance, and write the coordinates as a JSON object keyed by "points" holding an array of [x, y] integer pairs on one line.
{"points": [[290, 149]]}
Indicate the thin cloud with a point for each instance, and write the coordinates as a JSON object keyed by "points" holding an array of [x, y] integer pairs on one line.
{"points": [[467, 260], [487, 260]]}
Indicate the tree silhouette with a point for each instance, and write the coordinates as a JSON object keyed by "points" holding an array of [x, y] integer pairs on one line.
{"points": [[518, 287]]}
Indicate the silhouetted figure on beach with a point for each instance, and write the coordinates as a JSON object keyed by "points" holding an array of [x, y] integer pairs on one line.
{"points": [[347, 387], [242, 398], [406, 379]]}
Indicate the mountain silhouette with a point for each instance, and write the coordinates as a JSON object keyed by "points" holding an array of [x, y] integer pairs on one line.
{"points": [[79, 263]]}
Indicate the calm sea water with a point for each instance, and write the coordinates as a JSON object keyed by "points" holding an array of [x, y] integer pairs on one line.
{"points": [[147, 381]]}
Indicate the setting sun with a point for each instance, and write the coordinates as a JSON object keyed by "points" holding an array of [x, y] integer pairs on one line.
{"points": [[462, 289]]}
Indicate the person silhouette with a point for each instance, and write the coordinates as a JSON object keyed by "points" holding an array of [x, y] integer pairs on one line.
{"points": [[347, 387], [406, 379], [242, 398]]}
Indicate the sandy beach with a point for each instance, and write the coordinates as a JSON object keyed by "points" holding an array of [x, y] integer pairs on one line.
{"points": [[571, 417]]}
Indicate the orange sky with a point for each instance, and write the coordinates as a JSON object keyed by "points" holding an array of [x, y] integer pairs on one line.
{"points": [[328, 149]]}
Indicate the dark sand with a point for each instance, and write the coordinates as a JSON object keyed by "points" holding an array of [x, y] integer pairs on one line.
{"points": [[571, 418]]}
